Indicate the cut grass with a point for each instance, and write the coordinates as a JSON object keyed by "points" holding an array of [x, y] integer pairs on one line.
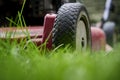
{"points": [[19, 63]]}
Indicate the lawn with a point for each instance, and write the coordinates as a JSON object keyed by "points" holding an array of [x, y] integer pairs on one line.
{"points": [[27, 62]]}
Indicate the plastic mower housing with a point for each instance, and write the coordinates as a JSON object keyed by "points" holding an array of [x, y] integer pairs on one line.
{"points": [[38, 34]]}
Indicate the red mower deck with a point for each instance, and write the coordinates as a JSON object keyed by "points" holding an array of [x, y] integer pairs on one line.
{"points": [[38, 34]]}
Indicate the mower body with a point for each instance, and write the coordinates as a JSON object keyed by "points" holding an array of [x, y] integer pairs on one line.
{"points": [[40, 24], [37, 34]]}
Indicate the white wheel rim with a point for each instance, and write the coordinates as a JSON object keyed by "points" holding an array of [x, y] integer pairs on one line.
{"points": [[81, 36]]}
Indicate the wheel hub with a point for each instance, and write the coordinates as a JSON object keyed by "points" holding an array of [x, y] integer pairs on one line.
{"points": [[81, 36]]}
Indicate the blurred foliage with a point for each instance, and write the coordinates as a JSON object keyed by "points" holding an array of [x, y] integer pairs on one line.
{"points": [[96, 8]]}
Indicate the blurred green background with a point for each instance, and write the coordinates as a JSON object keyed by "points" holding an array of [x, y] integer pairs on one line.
{"points": [[96, 8]]}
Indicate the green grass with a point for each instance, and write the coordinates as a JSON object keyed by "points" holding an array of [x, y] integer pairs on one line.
{"points": [[20, 62]]}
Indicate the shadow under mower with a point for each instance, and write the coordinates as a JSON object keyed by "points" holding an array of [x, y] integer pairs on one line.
{"points": [[70, 26]]}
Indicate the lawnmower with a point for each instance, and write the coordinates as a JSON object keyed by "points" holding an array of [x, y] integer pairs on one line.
{"points": [[70, 26], [66, 22]]}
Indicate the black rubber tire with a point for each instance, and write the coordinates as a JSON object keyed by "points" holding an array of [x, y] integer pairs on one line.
{"points": [[65, 30], [109, 29], [58, 3]]}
